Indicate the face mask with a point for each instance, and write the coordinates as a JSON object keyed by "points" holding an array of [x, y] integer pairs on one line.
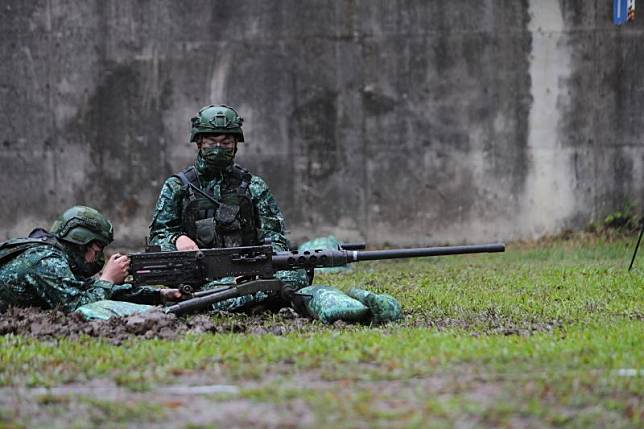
{"points": [[216, 158], [86, 269]]}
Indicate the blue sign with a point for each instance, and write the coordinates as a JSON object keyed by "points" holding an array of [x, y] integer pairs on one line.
{"points": [[623, 11]]}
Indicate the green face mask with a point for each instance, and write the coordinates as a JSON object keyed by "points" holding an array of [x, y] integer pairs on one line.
{"points": [[85, 269], [214, 158]]}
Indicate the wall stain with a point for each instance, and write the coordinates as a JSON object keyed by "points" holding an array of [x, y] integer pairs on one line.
{"points": [[423, 133], [121, 136]]}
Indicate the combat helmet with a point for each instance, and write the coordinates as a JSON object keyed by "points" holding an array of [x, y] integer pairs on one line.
{"points": [[216, 118], [81, 225]]}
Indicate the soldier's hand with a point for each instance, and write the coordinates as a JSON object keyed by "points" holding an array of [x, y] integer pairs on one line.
{"points": [[170, 294], [116, 268], [184, 243]]}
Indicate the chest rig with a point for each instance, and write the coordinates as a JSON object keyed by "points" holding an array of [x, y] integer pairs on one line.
{"points": [[227, 221]]}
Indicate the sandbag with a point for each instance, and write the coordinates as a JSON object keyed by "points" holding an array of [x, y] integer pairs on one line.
{"points": [[329, 304], [103, 310]]}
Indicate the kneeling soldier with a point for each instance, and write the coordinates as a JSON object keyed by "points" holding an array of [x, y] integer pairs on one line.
{"points": [[215, 203]]}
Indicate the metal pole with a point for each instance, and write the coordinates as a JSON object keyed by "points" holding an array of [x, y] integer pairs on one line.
{"points": [[637, 246]]}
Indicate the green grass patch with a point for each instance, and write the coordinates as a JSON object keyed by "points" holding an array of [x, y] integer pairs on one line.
{"points": [[404, 352]]}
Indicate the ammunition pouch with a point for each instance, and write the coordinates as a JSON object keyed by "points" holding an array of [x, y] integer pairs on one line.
{"points": [[205, 232]]}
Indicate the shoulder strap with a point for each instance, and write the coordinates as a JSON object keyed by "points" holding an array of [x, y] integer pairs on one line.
{"points": [[188, 176], [38, 237], [190, 183], [244, 177]]}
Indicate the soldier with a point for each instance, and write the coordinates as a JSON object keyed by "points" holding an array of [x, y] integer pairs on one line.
{"points": [[54, 269], [216, 203]]}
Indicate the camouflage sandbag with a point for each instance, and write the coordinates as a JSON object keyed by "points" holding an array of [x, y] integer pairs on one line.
{"points": [[329, 304], [103, 310], [382, 307], [328, 242]]}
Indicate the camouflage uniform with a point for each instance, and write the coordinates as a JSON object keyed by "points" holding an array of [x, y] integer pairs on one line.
{"points": [[226, 186], [167, 224], [40, 275], [167, 220]]}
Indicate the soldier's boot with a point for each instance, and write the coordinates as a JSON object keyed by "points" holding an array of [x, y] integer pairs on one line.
{"points": [[384, 308]]}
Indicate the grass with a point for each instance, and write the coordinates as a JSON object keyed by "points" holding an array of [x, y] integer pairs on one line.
{"points": [[534, 337]]}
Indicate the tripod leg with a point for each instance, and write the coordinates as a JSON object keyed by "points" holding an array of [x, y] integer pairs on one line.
{"points": [[637, 246]]}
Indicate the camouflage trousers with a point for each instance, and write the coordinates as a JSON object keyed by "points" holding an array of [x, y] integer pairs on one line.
{"points": [[324, 303], [104, 309], [329, 304]]}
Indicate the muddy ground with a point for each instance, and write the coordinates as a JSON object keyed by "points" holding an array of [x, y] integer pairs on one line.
{"points": [[44, 324]]}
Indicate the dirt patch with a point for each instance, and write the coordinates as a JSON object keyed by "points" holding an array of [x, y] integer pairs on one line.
{"points": [[44, 324], [36, 323], [100, 403], [486, 323]]}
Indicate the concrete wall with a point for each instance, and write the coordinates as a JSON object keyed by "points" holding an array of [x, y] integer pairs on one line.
{"points": [[408, 122]]}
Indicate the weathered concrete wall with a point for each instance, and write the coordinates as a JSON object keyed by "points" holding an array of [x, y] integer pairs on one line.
{"points": [[409, 122]]}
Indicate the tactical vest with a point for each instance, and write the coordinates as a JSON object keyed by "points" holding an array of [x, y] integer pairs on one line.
{"points": [[38, 237], [230, 221]]}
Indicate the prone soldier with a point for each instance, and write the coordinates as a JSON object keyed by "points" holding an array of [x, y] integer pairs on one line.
{"points": [[55, 269]]}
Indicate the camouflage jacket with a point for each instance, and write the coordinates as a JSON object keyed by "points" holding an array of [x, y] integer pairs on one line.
{"points": [[167, 220], [41, 277]]}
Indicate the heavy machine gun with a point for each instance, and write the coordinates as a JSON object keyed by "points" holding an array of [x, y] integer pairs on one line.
{"points": [[255, 267]]}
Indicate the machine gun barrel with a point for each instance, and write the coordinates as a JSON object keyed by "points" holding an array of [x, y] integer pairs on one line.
{"points": [[375, 255], [333, 258]]}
